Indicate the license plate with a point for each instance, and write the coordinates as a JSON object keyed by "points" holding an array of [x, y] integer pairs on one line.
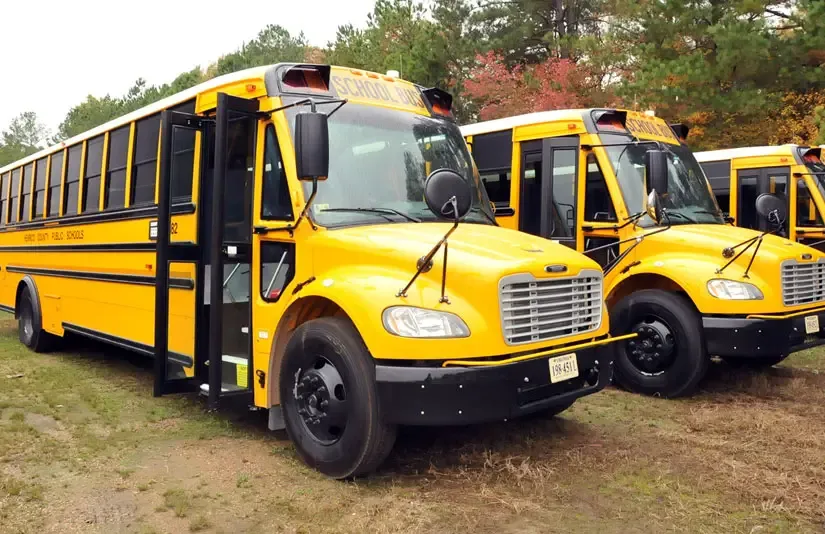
{"points": [[563, 367], [812, 324]]}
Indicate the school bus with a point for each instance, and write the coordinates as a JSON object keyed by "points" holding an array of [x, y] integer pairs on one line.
{"points": [[326, 199], [622, 187], [794, 173]]}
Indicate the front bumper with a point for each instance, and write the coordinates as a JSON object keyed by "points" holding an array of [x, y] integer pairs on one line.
{"points": [[761, 335], [466, 395]]}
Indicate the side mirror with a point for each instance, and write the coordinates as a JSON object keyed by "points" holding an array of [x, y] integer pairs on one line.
{"points": [[311, 146], [653, 206], [447, 194], [656, 171], [772, 208]]}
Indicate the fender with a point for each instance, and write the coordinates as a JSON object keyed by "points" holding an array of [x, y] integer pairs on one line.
{"points": [[27, 283], [691, 276]]}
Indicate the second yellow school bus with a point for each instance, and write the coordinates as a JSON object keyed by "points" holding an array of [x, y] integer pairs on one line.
{"points": [[794, 173], [361, 284], [688, 282]]}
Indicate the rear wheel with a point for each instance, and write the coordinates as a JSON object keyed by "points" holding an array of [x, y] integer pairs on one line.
{"points": [[329, 400], [29, 328], [754, 361], [668, 356]]}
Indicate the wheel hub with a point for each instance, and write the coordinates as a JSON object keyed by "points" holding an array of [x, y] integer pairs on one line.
{"points": [[321, 401], [653, 350]]}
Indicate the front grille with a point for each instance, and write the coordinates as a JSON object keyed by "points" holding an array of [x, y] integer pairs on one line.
{"points": [[538, 309], [803, 283]]}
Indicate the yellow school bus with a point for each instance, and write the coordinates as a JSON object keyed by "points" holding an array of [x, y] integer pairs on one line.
{"points": [[622, 187], [794, 173], [326, 200]]}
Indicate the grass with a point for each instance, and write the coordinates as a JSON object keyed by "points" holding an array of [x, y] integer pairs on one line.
{"points": [[85, 447]]}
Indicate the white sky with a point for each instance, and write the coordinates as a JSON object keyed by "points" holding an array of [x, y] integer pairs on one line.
{"points": [[55, 52]]}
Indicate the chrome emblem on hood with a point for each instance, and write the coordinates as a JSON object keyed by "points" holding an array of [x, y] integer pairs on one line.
{"points": [[555, 268]]}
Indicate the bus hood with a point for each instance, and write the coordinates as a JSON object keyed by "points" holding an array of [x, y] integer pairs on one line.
{"points": [[712, 239], [481, 251]]}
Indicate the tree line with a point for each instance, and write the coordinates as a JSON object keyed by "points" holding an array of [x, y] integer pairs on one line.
{"points": [[739, 72]]}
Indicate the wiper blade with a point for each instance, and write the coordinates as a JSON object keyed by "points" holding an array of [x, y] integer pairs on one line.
{"points": [[380, 211], [682, 215]]}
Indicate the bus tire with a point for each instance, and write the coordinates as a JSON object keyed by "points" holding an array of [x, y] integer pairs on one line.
{"points": [[668, 357], [30, 324], [330, 402]]}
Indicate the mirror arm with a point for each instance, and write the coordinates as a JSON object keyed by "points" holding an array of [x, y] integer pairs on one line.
{"points": [[424, 264], [312, 103]]}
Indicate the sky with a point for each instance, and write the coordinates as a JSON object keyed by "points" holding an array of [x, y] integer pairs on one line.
{"points": [[53, 53]]}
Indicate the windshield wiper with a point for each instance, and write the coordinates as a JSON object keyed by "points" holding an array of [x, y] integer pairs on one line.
{"points": [[380, 211], [682, 215]]}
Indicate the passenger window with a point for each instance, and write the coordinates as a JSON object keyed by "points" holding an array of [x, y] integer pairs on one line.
{"points": [[55, 176], [26, 193], [497, 184], [598, 205], [530, 218], [72, 180], [183, 157], [4, 198], [91, 183], [240, 160], [144, 166], [276, 203], [806, 212], [15, 196], [493, 153], [40, 186], [114, 195], [277, 268], [564, 193]]}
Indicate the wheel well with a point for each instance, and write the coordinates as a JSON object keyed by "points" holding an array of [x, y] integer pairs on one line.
{"points": [[642, 281], [299, 312], [21, 287]]}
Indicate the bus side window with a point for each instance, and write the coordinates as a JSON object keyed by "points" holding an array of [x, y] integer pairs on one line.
{"points": [[493, 153], [276, 203], [25, 194], [598, 206], [91, 182], [277, 268], [806, 212], [72, 187], [4, 198], [15, 201]]}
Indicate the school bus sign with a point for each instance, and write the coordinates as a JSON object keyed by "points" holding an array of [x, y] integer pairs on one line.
{"points": [[381, 90]]}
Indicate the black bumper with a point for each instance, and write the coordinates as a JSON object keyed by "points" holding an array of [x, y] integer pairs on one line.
{"points": [[732, 336], [466, 395]]}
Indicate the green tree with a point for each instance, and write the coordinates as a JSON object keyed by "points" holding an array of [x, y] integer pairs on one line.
{"points": [[274, 44], [25, 135]]}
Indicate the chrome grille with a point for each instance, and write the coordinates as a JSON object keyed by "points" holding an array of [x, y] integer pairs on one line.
{"points": [[803, 283], [537, 309]]}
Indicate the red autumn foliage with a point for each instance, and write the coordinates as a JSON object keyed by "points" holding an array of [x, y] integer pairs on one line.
{"points": [[503, 91]]}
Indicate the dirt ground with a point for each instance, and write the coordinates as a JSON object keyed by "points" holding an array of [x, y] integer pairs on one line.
{"points": [[84, 447]]}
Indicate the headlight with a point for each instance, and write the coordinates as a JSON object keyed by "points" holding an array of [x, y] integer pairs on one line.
{"points": [[733, 290], [407, 321]]}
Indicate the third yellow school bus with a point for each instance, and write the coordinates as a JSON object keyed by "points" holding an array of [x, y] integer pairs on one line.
{"points": [[361, 283], [688, 282]]}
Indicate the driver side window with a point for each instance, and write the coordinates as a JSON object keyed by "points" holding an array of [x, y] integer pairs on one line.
{"points": [[276, 203], [598, 206]]}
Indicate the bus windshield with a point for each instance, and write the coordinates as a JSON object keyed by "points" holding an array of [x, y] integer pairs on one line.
{"points": [[379, 160], [817, 169], [689, 199]]}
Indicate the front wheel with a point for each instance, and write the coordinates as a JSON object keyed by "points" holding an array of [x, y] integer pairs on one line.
{"points": [[668, 356], [329, 400]]}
